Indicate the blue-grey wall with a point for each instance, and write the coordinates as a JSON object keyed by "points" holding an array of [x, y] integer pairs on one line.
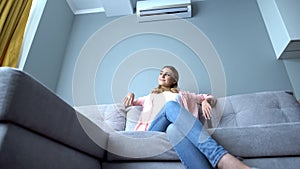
{"points": [[48, 48], [293, 69], [223, 49]]}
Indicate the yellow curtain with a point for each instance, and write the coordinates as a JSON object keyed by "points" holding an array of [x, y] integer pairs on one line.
{"points": [[13, 19]]}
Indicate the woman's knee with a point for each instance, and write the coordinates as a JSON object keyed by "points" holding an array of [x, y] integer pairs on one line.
{"points": [[172, 109], [171, 128], [173, 104], [176, 138], [173, 133]]}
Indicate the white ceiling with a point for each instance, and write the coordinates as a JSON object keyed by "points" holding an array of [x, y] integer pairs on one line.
{"points": [[110, 7]]}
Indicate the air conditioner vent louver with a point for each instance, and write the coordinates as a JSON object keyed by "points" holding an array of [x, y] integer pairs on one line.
{"points": [[165, 9]]}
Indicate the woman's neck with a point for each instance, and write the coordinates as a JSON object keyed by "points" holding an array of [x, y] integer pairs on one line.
{"points": [[165, 88], [161, 89]]}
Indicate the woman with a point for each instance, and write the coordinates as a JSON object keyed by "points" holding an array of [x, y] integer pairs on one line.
{"points": [[175, 112]]}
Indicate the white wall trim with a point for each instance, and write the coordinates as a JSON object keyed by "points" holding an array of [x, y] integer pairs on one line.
{"points": [[72, 5], [34, 18], [87, 11], [77, 11]]}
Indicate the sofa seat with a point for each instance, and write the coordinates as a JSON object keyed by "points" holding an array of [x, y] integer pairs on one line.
{"points": [[272, 140], [21, 148], [138, 145], [123, 142]]}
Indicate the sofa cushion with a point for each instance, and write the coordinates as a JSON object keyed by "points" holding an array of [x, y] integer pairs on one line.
{"points": [[289, 162], [139, 145], [109, 116], [269, 107], [260, 140], [23, 149], [132, 117], [144, 165]]}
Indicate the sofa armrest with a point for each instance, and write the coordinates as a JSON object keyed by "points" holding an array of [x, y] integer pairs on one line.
{"points": [[29, 104]]}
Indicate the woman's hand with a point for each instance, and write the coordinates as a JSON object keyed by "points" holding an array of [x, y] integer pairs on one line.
{"points": [[127, 101], [206, 110]]}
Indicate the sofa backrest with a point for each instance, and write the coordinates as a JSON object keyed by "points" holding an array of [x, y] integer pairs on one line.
{"points": [[242, 110], [256, 109]]}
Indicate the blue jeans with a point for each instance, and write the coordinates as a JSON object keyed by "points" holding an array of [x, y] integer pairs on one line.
{"points": [[193, 144]]}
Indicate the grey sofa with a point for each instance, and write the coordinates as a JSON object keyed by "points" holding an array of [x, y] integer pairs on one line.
{"points": [[39, 130]]}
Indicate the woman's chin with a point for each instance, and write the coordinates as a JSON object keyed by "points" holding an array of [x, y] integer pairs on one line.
{"points": [[161, 84]]}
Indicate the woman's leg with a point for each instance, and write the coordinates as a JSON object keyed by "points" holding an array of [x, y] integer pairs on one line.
{"points": [[189, 126], [189, 155]]}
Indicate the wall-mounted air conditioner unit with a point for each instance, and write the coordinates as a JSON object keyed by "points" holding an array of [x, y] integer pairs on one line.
{"points": [[150, 10]]}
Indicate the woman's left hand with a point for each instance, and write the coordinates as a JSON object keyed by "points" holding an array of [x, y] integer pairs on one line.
{"points": [[206, 110]]}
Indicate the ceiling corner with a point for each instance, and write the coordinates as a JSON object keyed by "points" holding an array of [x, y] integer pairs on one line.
{"points": [[71, 5], [85, 7]]}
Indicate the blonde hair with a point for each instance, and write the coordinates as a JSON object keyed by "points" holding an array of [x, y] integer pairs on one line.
{"points": [[174, 87]]}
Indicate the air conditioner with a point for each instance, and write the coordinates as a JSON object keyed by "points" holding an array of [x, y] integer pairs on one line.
{"points": [[150, 10]]}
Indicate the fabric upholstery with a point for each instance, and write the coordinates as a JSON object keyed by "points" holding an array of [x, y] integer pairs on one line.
{"points": [[143, 165], [289, 162], [258, 124], [110, 116], [271, 140], [132, 117], [139, 145], [24, 101], [22, 149], [269, 107]]}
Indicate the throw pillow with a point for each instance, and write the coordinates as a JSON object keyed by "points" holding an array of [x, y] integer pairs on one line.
{"points": [[133, 114], [109, 116]]}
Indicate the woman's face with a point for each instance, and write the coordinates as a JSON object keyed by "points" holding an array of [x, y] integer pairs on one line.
{"points": [[165, 78]]}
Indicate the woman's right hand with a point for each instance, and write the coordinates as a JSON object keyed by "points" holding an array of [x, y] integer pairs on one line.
{"points": [[128, 100]]}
